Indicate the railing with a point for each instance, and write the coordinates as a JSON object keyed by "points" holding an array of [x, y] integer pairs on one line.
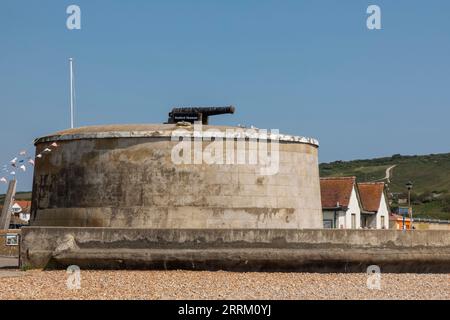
{"points": [[438, 221]]}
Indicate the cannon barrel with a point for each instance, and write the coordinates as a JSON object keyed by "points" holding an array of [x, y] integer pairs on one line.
{"points": [[193, 114]]}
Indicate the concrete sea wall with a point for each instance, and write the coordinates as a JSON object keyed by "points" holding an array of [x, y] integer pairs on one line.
{"points": [[236, 249]]}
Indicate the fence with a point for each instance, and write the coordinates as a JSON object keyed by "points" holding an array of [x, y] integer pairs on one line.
{"points": [[440, 221]]}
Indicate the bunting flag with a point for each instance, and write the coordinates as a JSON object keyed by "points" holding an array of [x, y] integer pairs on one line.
{"points": [[21, 161]]}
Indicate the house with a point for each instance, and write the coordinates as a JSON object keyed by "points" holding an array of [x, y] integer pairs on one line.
{"points": [[399, 222], [350, 205], [20, 214], [374, 205], [340, 203], [21, 206]]}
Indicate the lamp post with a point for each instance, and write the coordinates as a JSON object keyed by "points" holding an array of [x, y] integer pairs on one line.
{"points": [[71, 92], [409, 186]]}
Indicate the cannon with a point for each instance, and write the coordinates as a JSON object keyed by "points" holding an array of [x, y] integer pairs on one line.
{"points": [[193, 114]]}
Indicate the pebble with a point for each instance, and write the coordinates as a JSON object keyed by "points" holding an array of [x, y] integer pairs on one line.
{"points": [[200, 285]]}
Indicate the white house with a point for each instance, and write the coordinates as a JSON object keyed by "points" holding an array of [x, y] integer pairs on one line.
{"points": [[20, 212], [375, 208], [340, 203], [16, 208]]}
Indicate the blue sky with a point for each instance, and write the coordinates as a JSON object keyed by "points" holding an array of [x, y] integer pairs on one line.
{"points": [[305, 67]]}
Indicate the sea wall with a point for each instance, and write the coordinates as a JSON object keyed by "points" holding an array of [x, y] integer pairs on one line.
{"points": [[236, 249]]}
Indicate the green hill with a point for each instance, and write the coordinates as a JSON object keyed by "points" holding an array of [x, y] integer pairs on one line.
{"points": [[19, 196], [430, 175]]}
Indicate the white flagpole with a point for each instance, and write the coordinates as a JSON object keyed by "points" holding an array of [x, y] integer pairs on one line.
{"points": [[71, 92]]}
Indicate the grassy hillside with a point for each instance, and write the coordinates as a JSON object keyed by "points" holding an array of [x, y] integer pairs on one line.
{"points": [[19, 196], [429, 173]]}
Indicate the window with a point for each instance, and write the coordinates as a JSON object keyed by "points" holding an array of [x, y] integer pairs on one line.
{"points": [[328, 224], [12, 239], [382, 223], [364, 222], [353, 221]]}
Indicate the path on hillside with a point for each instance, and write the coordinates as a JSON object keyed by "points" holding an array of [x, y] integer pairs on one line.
{"points": [[388, 173]]}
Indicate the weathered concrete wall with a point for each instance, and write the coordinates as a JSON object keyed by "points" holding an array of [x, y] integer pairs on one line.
{"points": [[237, 249], [431, 226], [101, 178]]}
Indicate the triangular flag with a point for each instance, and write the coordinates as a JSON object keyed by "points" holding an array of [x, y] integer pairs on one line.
{"points": [[23, 152], [54, 144], [12, 172], [23, 168], [3, 179], [47, 150], [39, 156], [31, 161]]}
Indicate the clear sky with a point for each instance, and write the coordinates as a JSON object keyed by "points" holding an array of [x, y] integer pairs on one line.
{"points": [[307, 68]]}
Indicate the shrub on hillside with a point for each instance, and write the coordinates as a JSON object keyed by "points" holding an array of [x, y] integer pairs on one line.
{"points": [[446, 204]]}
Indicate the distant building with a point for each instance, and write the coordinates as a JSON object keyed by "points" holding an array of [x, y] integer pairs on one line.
{"points": [[340, 203], [399, 222], [21, 206], [375, 208], [350, 205], [20, 212]]}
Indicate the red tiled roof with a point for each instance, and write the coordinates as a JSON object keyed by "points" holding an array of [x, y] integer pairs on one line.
{"points": [[25, 205], [336, 191], [370, 195]]}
